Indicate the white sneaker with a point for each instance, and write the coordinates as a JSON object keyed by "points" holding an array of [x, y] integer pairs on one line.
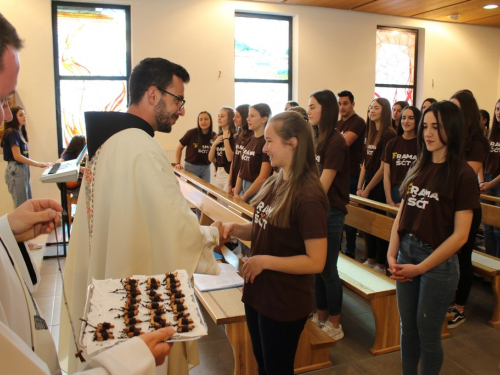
{"points": [[33, 245], [335, 333], [371, 265], [379, 269], [315, 319]]}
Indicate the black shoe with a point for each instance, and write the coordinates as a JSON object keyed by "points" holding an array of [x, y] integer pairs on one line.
{"points": [[458, 318], [350, 255]]}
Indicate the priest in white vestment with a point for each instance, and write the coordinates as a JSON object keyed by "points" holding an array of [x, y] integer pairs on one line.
{"points": [[132, 217], [26, 345]]}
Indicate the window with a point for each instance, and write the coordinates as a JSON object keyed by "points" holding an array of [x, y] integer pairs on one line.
{"points": [[396, 64], [91, 62], [262, 60]]}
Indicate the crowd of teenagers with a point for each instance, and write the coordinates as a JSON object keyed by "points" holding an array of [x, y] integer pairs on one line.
{"points": [[298, 168]]}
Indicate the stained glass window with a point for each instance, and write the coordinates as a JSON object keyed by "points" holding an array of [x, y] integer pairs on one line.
{"points": [[396, 64], [262, 60], [92, 62]]}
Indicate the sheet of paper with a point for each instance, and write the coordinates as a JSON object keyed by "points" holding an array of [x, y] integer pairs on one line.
{"points": [[228, 278]]}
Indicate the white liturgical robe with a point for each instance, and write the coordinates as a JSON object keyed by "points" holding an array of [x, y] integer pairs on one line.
{"points": [[131, 219], [26, 349]]}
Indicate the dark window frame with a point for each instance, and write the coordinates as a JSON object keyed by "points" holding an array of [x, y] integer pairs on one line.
{"points": [[58, 78], [289, 81], [415, 70]]}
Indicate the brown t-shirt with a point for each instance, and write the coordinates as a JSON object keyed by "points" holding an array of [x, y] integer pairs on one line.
{"points": [[431, 217], [239, 147], [356, 125], [220, 155], [400, 153], [373, 153], [277, 295], [477, 152], [335, 155], [197, 151], [252, 158], [492, 165]]}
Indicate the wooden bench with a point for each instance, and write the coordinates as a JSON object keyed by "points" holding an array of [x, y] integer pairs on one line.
{"points": [[487, 265], [225, 306]]}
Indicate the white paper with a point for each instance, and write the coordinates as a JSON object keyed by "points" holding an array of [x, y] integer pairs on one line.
{"points": [[228, 278]]}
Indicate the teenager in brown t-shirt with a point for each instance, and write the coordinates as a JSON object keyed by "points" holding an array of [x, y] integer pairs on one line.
{"points": [[399, 154], [198, 142], [430, 228], [332, 154], [255, 167], [353, 128], [241, 138], [476, 149], [288, 235], [222, 151], [370, 184], [397, 108], [491, 183]]}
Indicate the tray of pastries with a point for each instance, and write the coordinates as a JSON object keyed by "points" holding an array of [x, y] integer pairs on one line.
{"points": [[119, 309]]}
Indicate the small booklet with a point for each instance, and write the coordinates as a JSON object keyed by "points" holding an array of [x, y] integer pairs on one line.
{"points": [[228, 278]]}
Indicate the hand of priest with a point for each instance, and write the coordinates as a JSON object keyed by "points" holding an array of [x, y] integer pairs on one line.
{"points": [[34, 217], [156, 343]]}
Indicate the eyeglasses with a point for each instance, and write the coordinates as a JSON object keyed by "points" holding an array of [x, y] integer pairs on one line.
{"points": [[178, 98]]}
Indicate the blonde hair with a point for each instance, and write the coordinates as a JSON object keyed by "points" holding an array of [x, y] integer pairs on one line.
{"points": [[303, 172]]}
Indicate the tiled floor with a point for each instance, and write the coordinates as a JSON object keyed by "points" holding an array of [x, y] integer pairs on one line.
{"points": [[474, 347]]}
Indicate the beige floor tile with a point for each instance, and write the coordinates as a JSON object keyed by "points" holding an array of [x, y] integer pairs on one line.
{"points": [[47, 286]]}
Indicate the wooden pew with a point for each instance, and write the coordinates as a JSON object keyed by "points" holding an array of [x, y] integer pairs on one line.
{"points": [[225, 306], [487, 265]]}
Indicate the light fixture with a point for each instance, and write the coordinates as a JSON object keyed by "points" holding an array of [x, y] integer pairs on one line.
{"points": [[491, 6], [454, 16]]}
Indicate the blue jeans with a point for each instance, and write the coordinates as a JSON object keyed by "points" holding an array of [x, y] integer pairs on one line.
{"points": [[201, 171], [395, 195], [245, 185], [491, 233], [327, 284], [17, 177], [350, 232], [422, 305]]}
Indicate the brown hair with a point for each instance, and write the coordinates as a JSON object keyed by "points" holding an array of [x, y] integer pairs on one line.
{"points": [[374, 135]]}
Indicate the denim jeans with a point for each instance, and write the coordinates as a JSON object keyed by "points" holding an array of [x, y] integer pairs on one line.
{"points": [[201, 171], [422, 305], [376, 246], [17, 177], [395, 195], [245, 185], [327, 284], [491, 233], [350, 232], [465, 261]]}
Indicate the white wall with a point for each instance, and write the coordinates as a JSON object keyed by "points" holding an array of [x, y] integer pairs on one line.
{"points": [[334, 49]]}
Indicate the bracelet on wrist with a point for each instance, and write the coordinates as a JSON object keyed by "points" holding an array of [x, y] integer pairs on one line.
{"points": [[359, 189], [225, 139]]}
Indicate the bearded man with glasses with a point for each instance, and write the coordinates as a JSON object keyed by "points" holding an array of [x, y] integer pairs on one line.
{"points": [[133, 218]]}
